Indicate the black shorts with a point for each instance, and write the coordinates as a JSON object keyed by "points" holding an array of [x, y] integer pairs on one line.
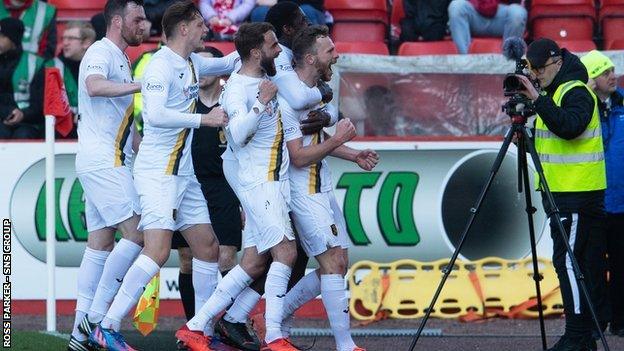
{"points": [[225, 215], [178, 240], [224, 209]]}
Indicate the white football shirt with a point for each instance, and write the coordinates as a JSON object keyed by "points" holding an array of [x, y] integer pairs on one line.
{"points": [[105, 127], [170, 91], [255, 133]]}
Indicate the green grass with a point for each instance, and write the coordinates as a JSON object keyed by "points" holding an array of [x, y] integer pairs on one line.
{"points": [[36, 341], [28, 340]]}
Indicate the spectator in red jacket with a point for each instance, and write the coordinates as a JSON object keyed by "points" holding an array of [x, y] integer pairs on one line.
{"points": [[489, 18]]}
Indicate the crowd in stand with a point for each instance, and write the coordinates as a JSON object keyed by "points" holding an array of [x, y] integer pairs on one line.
{"points": [[31, 45]]}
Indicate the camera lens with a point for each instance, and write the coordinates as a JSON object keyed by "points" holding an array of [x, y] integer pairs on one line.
{"points": [[512, 83]]}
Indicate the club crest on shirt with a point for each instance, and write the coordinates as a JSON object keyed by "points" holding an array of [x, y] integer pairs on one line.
{"points": [[192, 92]]}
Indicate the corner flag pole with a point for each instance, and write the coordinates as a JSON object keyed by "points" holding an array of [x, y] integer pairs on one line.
{"points": [[50, 224]]}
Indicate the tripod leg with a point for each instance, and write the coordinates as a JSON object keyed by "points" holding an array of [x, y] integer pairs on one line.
{"points": [[530, 210], [473, 213], [557, 218]]}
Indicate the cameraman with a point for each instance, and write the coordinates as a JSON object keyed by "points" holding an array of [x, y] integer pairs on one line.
{"points": [[569, 143]]}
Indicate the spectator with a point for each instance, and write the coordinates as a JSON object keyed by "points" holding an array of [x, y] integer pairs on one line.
{"points": [[485, 18], [603, 82], [314, 10], [154, 10], [224, 16], [21, 85], [39, 19], [99, 24], [383, 117], [76, 39]]}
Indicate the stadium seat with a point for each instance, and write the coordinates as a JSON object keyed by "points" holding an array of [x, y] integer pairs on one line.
{"points": [[134, 52], [225, 46], [373, 48], [361, 10], [563, 19], [68, 10], [577, 45], [611, 19], [362, 20], [445, 47], [617, 44], [485, 46], [359, 31]]}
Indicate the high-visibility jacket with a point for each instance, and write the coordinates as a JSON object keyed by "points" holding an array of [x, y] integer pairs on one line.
{"points": [[572, 165]]}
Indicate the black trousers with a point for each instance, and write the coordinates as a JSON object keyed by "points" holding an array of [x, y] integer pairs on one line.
{"points": [[587, 237], [615, 251]]}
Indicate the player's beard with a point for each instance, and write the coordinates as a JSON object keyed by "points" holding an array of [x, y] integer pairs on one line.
{"points": [[324, 70], [268, 65], [128, 37]]}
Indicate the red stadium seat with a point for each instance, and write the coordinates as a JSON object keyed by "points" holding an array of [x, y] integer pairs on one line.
{"points": [[445, 47], [564, 28], [612, 30], [563, 19], [226, 47], [373, 48], [362, 20], [577, 45], [359, 31], [611, 8], [360, 10], [617, 44], [563, 8], [77, 9], [134, 52], [485, 46]]}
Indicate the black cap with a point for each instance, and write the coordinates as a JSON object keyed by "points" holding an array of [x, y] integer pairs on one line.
{"points": [[13, 29], [540, 51]]}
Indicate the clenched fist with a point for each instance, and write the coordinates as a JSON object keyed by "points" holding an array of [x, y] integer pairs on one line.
{"points": [[345, 130], [214, 118], [268, 90]]}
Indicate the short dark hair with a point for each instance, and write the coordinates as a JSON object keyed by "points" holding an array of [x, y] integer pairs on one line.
{"points": [[117, 7], [250, 36], [211, 49], [181, 11], [282, 14], [304, 42]]}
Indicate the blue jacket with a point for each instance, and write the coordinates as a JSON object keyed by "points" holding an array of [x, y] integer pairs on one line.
{"points": [[613, 138]]}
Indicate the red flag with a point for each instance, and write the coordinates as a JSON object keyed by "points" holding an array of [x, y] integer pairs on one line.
{"points": [[55, 101]]}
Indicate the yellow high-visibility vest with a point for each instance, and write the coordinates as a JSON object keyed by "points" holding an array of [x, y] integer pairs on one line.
{"points": [[572, 165]]}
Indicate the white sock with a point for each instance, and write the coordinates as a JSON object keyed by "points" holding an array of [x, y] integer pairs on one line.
{"points": [[240, 310], [116, 267], [275, 292], [204, 281], [227, 290], [305, 290], [337, 307], [138, 276], [88, 277]]}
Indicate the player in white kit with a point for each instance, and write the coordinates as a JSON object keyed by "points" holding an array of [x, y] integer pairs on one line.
{"points": [[315, 211], [105, 136], [256, 138], [170, 195]]}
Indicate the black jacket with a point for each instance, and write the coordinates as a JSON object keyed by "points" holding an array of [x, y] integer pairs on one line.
{"points": [[568, 122], [571, 119], [32, 114]]}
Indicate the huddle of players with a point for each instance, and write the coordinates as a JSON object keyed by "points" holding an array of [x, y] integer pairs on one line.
{"points": [[271, 165]]}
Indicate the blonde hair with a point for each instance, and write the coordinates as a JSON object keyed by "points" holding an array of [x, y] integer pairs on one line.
{"points": [[86, 29]]}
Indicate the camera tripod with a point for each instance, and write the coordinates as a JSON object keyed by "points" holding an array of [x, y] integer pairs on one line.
{"points": [[522, 134]]}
